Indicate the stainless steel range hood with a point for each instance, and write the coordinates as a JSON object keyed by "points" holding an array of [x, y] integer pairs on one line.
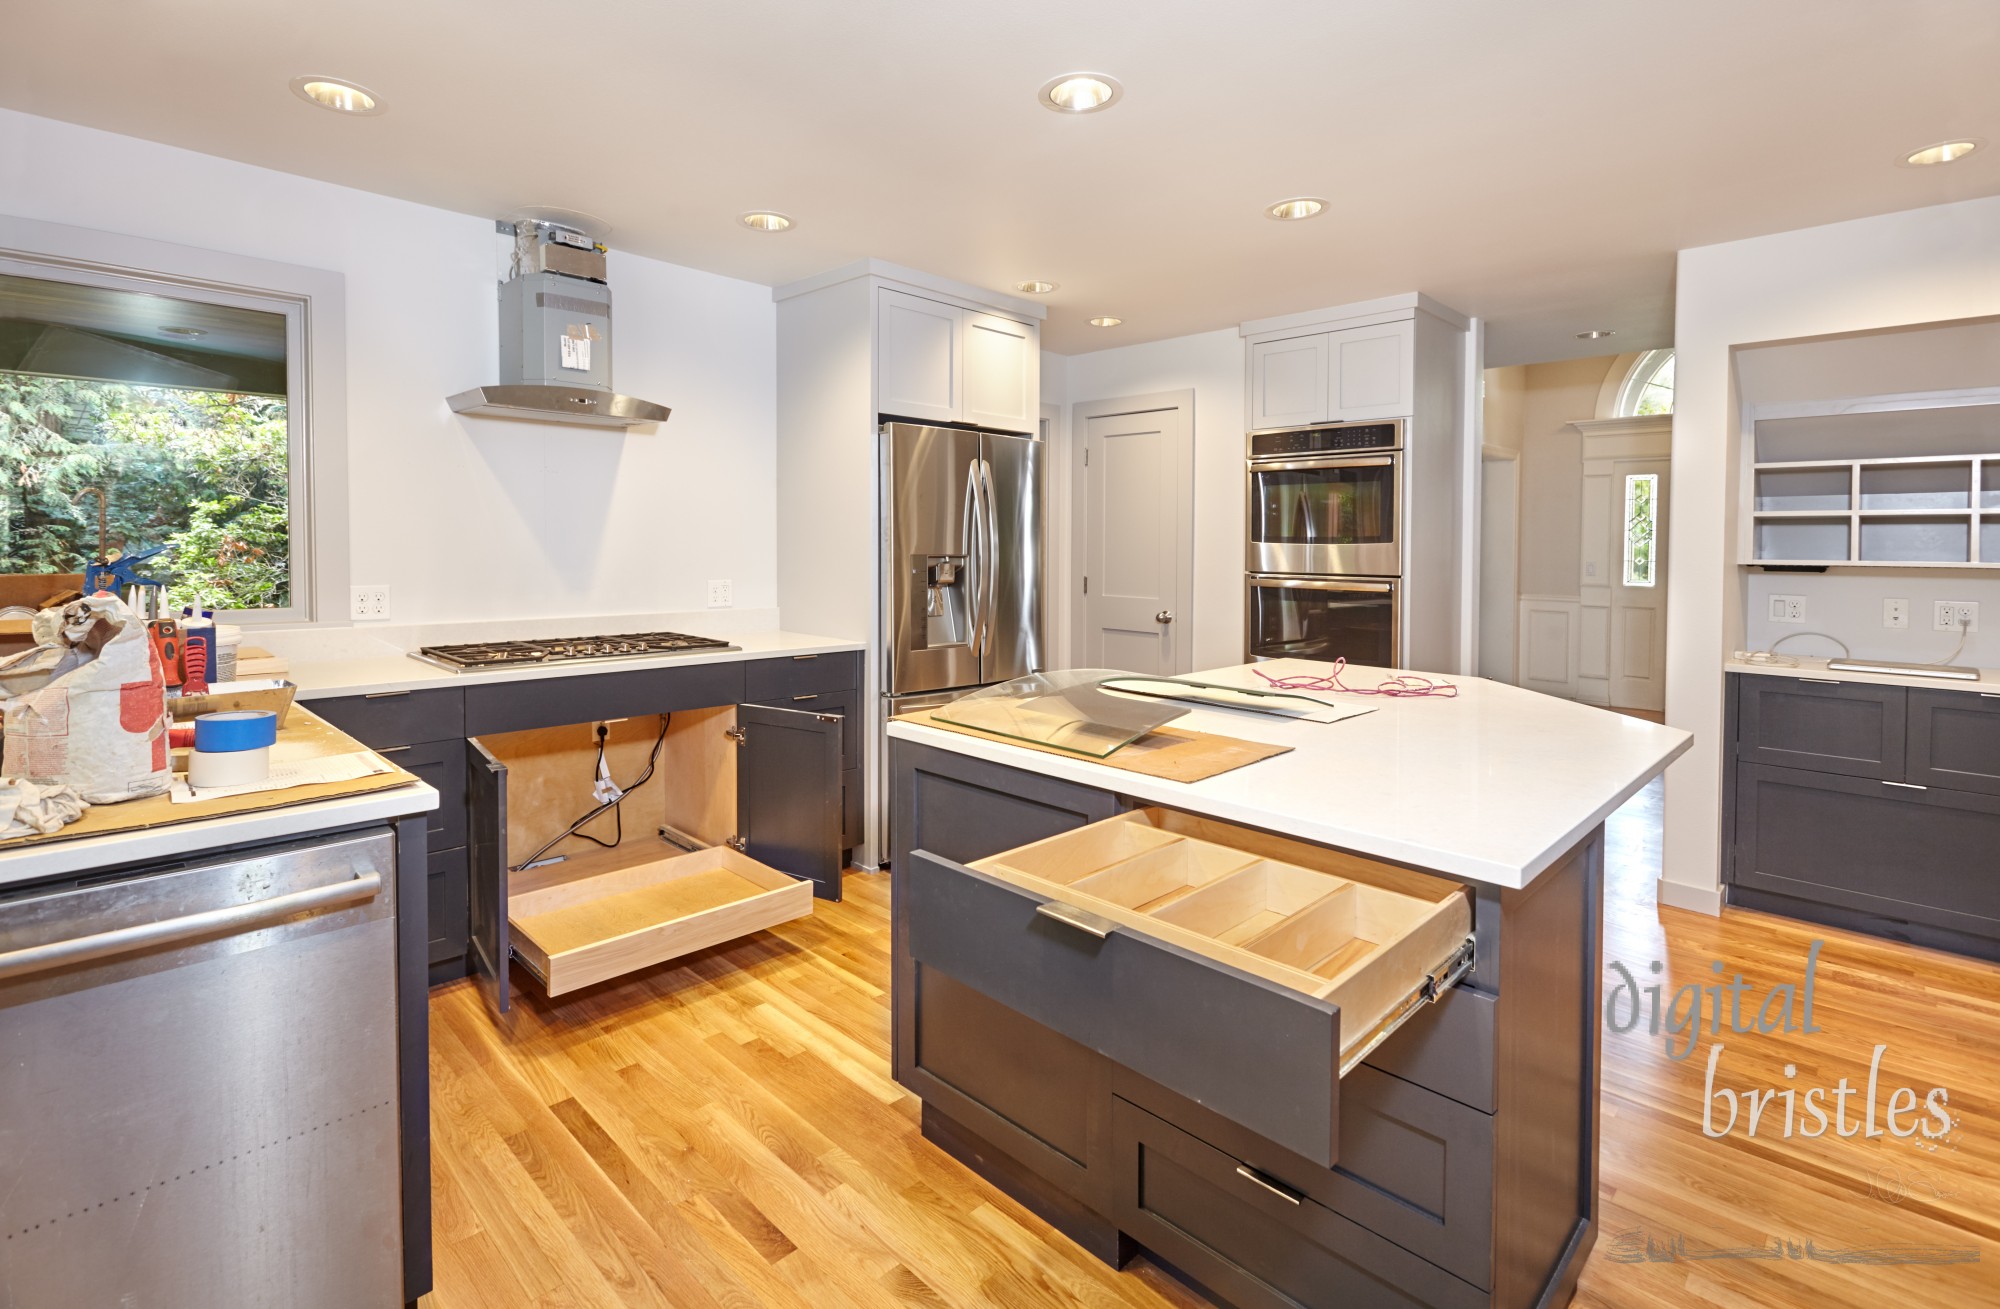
{"points": [[555, 337]]}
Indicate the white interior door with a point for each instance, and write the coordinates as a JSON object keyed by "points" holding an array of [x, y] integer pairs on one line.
{"points": [[1638, 662], [1499, 565], [1139, 531]]}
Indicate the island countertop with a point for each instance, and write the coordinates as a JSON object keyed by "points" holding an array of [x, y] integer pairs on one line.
{"points": [[1492, 785]]}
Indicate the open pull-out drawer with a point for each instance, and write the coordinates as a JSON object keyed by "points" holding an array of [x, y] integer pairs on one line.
{"points": [[757, 786], [1247, 983]]}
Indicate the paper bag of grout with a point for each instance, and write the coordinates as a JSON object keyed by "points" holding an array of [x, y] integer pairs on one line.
{"points": [[99, 725]]}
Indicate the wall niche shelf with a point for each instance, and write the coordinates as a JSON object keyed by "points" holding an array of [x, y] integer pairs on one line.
{"points": [[1823, 492]]}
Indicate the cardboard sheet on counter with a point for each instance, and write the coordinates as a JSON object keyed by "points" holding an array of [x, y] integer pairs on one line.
{"points": [[310, 735], [1171, 754]]}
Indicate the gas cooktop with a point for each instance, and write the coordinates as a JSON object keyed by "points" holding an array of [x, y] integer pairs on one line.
{"points": [[568, 649]]}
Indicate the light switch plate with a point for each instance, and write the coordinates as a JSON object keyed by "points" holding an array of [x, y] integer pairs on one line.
{"points": [[1895, 613], [1788, 609]]}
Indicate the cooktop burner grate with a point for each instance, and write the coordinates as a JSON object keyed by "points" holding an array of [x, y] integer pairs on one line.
{"points": [[567, 649]]}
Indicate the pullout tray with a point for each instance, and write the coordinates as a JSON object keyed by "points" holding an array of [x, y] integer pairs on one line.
{"points": [[584, 922]]}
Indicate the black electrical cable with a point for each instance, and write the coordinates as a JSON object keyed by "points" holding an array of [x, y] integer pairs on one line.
{"points": [[666, 721]]}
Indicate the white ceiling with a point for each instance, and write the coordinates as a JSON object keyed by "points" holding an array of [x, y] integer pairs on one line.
{"points": [[1534, 164]]}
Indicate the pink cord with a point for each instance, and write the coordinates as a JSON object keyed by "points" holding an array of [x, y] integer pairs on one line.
{"points": [[1402, 684]]}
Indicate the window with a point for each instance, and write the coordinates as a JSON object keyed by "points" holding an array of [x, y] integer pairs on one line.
{"points": [[1649, 387], [1642, 491], [140, 416]]}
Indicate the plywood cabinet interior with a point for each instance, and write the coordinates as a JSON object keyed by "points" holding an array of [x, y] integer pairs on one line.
{"points": [[1356, 374], [940, 363]]}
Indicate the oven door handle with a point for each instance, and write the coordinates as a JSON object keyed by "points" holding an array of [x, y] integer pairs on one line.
{"points": [[1308, 465], [1319, 584]]}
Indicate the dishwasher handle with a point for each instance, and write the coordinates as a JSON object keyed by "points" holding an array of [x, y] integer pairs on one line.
{"points": [[234, 918]]}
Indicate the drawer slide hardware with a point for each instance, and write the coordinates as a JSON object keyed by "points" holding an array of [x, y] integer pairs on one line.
{"points": [[1256, 1178], [1429, 991], [1071, 916], [737, 735], [738, 844]]}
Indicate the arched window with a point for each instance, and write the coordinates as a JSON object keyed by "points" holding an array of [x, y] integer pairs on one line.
{"points": [[1649, 387]]}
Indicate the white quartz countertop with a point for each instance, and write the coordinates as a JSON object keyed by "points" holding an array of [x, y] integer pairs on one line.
{"points": [[1492, 785], [59, 858], [390, 669], [1806, 666]]}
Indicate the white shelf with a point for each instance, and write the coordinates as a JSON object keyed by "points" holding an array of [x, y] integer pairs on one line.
{"points": [[1964, 534]]}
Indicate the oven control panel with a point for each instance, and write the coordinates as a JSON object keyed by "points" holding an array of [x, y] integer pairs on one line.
{"points": [[1341, 439]]}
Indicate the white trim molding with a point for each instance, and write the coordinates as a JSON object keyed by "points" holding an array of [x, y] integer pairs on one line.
{"points": [[1694, 899]]}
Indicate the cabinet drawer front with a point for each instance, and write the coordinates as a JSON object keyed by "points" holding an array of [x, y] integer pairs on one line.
{"points": [[776, 681], [554, 701], [396, 717], [1923, 856], [827, 702], [1955, 740], [1259, 1053], [1253, 1240], [442, 765], [450, 925], [1851, 728]]}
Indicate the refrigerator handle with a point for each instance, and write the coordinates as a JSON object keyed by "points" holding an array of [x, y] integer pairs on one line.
{"points": [[989, 571], [974, 518]]}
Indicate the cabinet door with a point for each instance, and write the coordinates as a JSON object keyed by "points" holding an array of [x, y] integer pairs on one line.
{"points": [[1003, 365], [1955, 740], [919, 358], [1372, 372], [788, 801], [1851, 728], [1288, 386], [1900, 852], [486, 887]]}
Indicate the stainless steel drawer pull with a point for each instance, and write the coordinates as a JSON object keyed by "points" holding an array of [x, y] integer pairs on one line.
{"points": [[142, 936], [797, 698], [1907, 786], [802, 658], [394, 749], [1822, 681], [383, 695], [1989, 695], [1284, 1193], [1071, 916]]}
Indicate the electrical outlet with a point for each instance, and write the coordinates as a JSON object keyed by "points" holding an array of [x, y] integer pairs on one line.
{"points": [[721, 593], [1788, 609], [368, 604], [1950, 614], [1895, 613]]}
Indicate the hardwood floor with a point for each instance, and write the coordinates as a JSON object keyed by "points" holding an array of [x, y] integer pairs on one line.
{"points": [[724, 1132]]}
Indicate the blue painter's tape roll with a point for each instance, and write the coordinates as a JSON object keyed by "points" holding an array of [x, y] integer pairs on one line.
{"points": [[237, 729]]}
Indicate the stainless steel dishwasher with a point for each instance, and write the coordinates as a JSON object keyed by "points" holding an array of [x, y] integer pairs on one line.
{"points": [[198, 1086]]}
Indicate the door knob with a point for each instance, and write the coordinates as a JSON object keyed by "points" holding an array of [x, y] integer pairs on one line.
{"points": [[1164, 616]]}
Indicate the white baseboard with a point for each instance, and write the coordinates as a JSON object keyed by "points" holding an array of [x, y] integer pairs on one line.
{"points": [[1697, 899]]}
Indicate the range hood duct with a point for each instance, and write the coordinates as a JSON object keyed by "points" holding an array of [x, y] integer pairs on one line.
{"points": [[555, 337]]}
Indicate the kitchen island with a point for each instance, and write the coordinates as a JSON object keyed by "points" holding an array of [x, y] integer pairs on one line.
{"points": [[1320, 1030]]}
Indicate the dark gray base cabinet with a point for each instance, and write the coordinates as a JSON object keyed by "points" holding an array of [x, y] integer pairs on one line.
{"points": [[1884, 816], [424, 732], [1465, 1168]]}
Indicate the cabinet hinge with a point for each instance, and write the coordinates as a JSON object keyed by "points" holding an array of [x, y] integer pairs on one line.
{"points": [[738, 844], [737, 735]]}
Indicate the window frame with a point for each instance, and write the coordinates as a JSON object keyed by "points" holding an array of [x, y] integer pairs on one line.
{"points": [[1637, 378], [312, 304], [1625, 532]]}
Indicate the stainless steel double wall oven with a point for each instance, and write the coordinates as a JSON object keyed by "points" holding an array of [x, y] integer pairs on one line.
{"points": [[1327, 506]]}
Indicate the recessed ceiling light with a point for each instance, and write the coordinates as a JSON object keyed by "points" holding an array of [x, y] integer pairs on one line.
{"points": [[184, 333], [1596, 334], [1081, 93], [763, 220], [341, 97], [1035, 288], [1105, 320], [1944, 152], [1299, 206]]}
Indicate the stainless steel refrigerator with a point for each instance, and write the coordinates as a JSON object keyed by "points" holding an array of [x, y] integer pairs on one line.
{"points": [[963, 551]]}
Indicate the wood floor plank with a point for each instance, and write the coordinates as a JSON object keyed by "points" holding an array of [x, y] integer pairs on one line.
{"points": [[723, 1131]]}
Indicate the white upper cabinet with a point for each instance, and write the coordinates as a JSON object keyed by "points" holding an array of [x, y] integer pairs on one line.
{"points": [[1373, 372], [1354, 375], [919, 358], [939, 363], [1003, 368], [1288, 386]]}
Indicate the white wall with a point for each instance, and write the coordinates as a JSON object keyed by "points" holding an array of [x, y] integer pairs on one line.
{"points": [[475, 518], [1920, 266], [1212, 364]]}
